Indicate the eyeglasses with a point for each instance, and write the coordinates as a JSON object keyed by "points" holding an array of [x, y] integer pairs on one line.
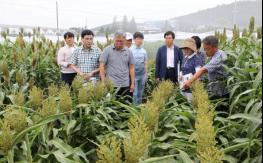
{"points": [[119, 41], [88, 38]]}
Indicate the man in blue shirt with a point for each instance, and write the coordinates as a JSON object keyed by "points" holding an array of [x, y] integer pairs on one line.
{"points": [[140, 56]]}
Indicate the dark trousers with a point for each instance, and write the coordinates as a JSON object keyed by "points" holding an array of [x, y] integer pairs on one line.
{"points": [[221, 107], [170, 75], [124, 94], [68, 78]]}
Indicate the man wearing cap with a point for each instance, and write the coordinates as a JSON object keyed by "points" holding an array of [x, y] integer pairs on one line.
{"points": [[191, 64], [118, 64], [128, 42]]}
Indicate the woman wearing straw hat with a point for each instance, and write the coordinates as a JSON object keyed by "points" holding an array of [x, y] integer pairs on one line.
{"points": [[191, 63]]}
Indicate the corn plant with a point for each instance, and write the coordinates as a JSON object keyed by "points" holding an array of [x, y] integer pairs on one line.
{"points": [[62, 124], [110, 151], [205, 133]]}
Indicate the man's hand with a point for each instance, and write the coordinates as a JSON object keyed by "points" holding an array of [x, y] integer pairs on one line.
{"points": [[132, 87], [158, 80], [187, 84], [102, 71], [145, 78], [88, 76], [180, 78], [81, 73]]}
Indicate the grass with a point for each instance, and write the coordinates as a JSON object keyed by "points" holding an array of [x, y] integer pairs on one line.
{"points": [[152, 47]]}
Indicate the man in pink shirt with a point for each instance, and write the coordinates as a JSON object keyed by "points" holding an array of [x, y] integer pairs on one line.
{"points": [[63, 59]]}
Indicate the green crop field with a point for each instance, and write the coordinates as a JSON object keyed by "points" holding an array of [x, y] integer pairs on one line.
{"points": [[44, 121]]}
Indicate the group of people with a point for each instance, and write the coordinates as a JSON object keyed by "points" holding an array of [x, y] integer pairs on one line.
{"points": [[125, 63], [122, 63]]}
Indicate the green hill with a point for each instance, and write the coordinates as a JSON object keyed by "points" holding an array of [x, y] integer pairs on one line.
{"points": [[222, 16]]}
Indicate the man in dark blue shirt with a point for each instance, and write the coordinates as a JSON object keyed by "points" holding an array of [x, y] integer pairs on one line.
{"points": [[169, 58]]}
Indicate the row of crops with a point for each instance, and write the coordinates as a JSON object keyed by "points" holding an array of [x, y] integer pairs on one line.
{"points": [[43, 120]]}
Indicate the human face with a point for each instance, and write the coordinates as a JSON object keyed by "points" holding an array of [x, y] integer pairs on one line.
{"points": [[188, 51], [69, 41], [210, 50], [138, 42], [128, 43], [119, 42], [87, 41], [169, 41]]}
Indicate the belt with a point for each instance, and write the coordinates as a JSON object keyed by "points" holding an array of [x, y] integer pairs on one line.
{"points": [[169, 68]]}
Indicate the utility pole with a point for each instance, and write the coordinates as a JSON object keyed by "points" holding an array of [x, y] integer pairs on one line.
{"points": [[86, 22], [235, 13], [57, 21]]}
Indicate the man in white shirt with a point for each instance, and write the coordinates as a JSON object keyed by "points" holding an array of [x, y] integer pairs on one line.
{"points": [[170, 56], [63, 59], [168, 59]]}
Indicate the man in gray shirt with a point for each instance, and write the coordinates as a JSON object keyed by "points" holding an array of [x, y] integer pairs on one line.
{"points": [[117, 63]]}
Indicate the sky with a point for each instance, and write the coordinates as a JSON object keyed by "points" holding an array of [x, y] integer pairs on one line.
{"points": [[93, 13]]}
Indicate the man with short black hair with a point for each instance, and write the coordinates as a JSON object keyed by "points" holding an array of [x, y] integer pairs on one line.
{"points": [[117, 63], [85, 59], [168, 58], [63, 59], [216, 72], [140, 56]]}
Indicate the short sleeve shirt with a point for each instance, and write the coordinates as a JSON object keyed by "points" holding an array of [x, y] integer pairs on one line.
{"points": [[190, 64], [87, 60], [118, 65], [141, 57], [217, 74]]}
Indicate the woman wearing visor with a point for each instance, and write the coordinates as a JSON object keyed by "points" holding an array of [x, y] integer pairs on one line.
{"points": [[191, 63]]}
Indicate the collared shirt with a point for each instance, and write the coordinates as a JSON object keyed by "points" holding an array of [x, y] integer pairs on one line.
{"points": [[170, 57], [63, 58], [187, 58], [190, 65], [87, 60], [141, 57], [217, 74], [118, 65]]}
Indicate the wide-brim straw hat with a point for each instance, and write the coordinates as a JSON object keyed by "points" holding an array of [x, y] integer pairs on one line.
{"points": [[189, 43]]}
